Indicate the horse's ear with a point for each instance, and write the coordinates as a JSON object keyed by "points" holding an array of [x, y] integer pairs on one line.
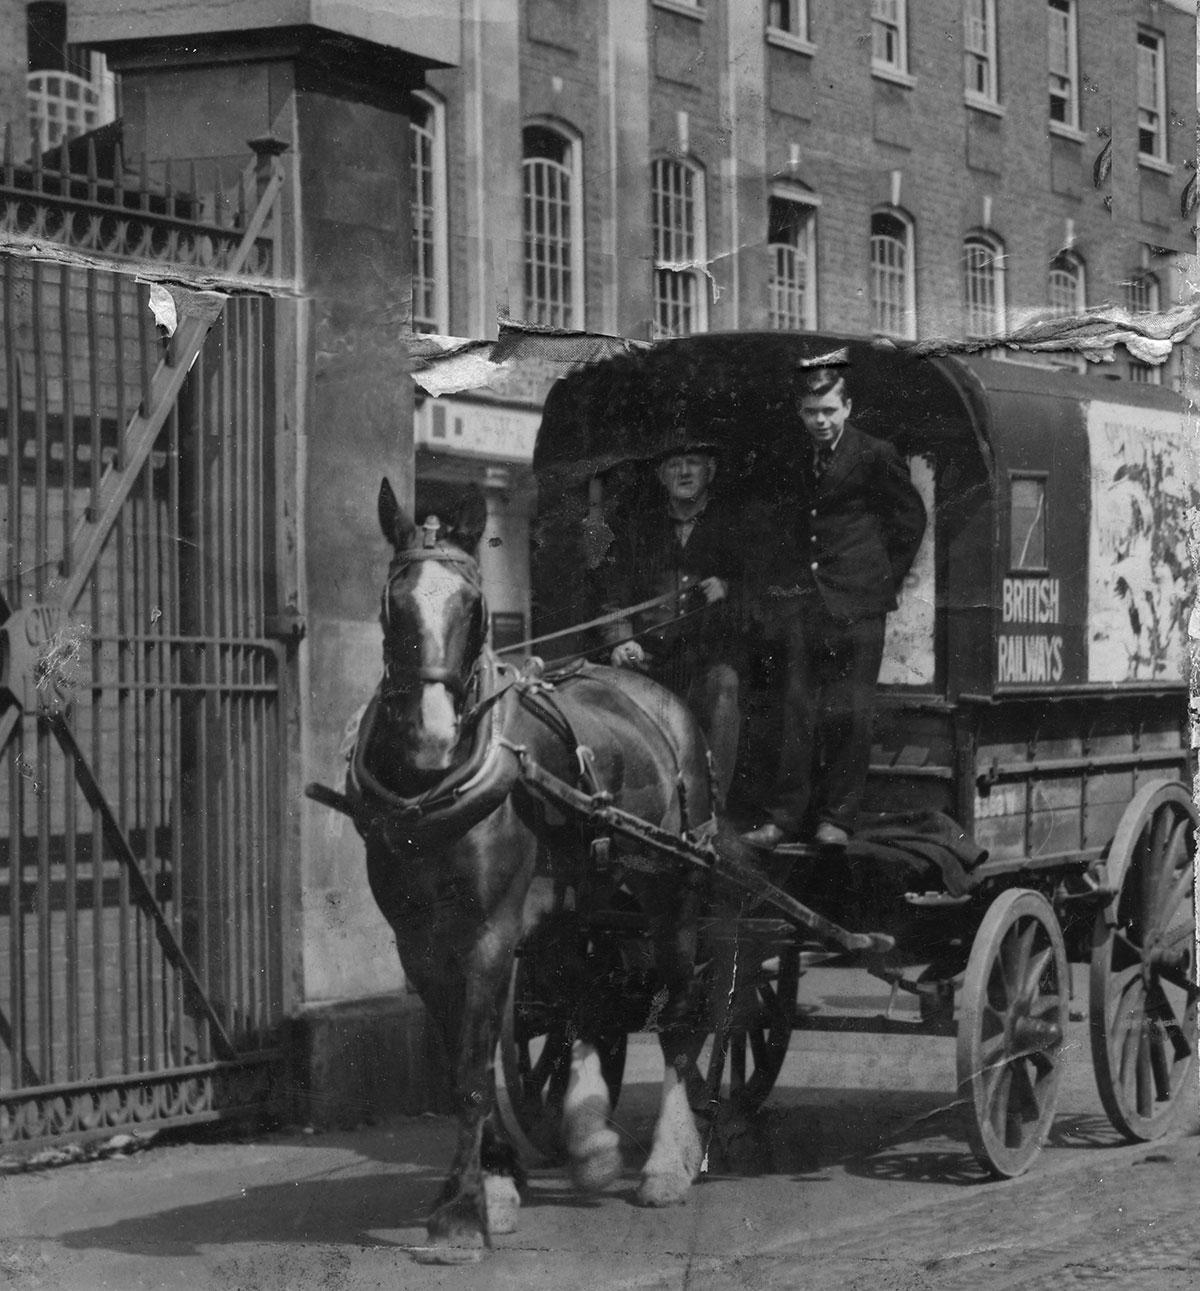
{"points": [[396, 523], [470, 520]]}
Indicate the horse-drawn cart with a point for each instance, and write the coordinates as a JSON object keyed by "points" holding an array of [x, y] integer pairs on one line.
{"points": [[1034, 707], [1028, 778]]}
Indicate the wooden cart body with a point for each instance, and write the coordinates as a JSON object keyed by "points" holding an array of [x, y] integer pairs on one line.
{"points": [[1034, 689]]}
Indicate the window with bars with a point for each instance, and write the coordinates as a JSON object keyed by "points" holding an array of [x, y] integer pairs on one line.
{"points": [[791, 245], [1066, 286], [1151, 95], [892, 288], [430, 255], [1063, 54], [680, 244], [61, 106], [1143, 296], [789, 17], [983, 287], [979, 41], [889, 35], [553, 228]]}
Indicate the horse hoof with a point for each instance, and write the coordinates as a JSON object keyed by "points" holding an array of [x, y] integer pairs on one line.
{"points": [[595, 1162], [503, 1203], [668, 1189]]}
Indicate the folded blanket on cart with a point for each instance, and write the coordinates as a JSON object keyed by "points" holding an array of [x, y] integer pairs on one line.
{"points": [[929, 843]]}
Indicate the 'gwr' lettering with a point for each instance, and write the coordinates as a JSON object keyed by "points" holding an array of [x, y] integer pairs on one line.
{"points": [[1031, 600]]}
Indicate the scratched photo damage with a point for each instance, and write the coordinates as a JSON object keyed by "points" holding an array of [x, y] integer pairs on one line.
{"points": [[596, 640]]}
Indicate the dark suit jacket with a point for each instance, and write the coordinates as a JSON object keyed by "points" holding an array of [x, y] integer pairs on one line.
{"points": [[646, 559], [857, 530]]}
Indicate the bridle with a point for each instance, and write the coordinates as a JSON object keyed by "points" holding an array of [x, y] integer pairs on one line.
{"points": [[398, 678]]}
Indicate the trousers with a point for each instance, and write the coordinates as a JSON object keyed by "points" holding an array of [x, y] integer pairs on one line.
{"points": [[828, 713]]}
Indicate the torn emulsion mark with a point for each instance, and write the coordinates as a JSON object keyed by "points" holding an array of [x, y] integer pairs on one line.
{"points": [[721, 1043], [162, 306], [25, 770], [59, 663], [1095, 334], [696, 266], [597, 539]]}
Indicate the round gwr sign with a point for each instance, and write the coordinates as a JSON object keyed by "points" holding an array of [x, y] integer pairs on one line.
{"points": [[27, 639]]}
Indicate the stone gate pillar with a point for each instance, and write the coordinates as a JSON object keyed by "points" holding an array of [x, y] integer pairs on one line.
{"points": [[331, 84]]}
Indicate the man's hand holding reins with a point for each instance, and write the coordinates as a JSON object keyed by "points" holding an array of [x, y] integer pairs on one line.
{"points": [[629, 654]]}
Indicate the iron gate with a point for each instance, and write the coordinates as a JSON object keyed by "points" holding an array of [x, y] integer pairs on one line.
{"points": [[140, 746]]}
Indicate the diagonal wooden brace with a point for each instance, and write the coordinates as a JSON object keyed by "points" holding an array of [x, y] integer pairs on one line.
{"points": [[142, 891]]}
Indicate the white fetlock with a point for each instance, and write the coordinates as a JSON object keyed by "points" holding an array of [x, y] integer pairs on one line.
{"points": [[593, 1147], [503, 1203], [675, 1158]]}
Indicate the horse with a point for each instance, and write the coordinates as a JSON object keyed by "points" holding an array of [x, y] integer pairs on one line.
{"points": [[452, 827]]}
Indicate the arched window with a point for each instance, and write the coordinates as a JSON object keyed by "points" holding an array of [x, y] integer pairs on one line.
{"points": [[792, 247], [430, 255], [893, 298], [680, 246], [983, 286], [553, 220], [1066, 288]]}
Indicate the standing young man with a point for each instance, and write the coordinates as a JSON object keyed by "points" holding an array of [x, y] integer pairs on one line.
{"points": [[687, 545], [858, 524]]}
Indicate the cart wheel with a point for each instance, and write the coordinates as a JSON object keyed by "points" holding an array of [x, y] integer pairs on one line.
{"points": [[1010, 1031], [744, 1062], [1143, 968], [534, 1051]]}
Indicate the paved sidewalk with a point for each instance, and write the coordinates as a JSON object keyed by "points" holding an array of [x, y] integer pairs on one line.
{"points": [[290, 1211]]}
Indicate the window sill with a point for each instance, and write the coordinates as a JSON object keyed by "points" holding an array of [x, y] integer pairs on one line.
{"points": [[980, 104], [1156, 164], [882, 72], [682, 6], [788, 40], [1064, 131]]}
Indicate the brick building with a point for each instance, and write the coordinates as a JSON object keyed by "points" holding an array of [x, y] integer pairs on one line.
{"points": [[946, 168], [653, 167]]}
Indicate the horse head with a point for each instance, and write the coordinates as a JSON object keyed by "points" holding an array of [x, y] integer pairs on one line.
{"points": [[434, 621]]}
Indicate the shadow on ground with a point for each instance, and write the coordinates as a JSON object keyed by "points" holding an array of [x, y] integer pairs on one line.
{"points": [[381, 1186]]}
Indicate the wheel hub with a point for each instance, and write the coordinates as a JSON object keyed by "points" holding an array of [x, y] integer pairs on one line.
{"points": [[1032, 1034]]}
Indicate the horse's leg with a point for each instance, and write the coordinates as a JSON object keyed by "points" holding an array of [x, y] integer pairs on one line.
{"points": [[677, 1151], [592, 1143], [503, 1178], [459, 1225]]}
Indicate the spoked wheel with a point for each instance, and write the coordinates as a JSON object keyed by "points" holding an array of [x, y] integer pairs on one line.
{"points": [[1143, 968], [537, 1031], [747, 1052], [1012, 1021]]}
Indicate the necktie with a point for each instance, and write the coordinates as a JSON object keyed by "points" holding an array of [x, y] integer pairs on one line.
{"points": [[824, 458]]}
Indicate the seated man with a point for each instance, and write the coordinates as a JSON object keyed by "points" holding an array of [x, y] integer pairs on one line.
{"points": [[687, 546]]}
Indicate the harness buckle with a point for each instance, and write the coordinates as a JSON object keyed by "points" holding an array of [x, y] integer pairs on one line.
{"points": [[590, 777], [429, 532]]}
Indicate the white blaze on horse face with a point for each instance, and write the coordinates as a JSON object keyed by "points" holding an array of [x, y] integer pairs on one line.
{"points": [[434, 594]]}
